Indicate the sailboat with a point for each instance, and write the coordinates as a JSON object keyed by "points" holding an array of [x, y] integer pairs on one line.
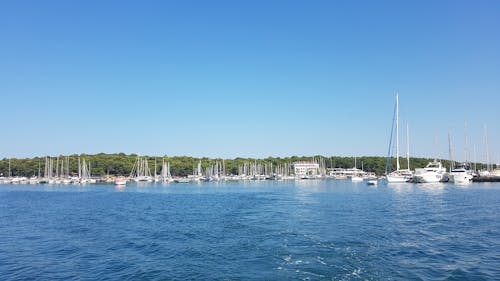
{"points": [[165, 175], [399, 175], [356, 176], [85, 173], [140, 171]]}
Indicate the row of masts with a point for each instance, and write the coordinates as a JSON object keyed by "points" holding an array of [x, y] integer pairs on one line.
{"points": [[61, 168], [217, 171], [142, 173]]}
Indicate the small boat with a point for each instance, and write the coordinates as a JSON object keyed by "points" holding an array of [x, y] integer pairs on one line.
{"points": [[356, 179], [372, 182], [120, 181], [182, 180]]}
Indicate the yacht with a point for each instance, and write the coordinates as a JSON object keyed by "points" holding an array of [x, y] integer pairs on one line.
{"points": [[461, 175], [433, 172], [496, 172]]}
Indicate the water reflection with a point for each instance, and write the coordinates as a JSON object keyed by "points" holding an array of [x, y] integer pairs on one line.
{"points": [[432, 188], [400, 188]]}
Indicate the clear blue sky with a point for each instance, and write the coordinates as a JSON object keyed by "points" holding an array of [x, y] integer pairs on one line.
{"points": [[247, 78]]}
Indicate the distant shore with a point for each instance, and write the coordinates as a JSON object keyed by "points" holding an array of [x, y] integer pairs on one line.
{"points": [[181, 166]]}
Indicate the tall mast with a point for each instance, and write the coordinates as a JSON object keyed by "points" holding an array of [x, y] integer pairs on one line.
{"points": [[466, 147], [487, 148], [450, 148], [397, 132], [408, 146], [57, 167], [9, 168], [79, 168], [475, 159]]}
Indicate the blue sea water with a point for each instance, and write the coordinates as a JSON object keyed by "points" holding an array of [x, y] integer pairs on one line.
{"points": [[304, 230]]}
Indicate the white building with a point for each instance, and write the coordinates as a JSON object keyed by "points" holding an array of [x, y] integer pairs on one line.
{"points": [[304, 168]]}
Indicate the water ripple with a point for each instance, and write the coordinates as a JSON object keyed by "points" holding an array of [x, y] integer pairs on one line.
{"points": [[325, 230]]}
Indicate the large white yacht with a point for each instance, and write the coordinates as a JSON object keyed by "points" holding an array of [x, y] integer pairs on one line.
{"points": [[433, 172], [461, 175]]}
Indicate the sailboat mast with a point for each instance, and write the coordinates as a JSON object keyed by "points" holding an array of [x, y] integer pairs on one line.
{"points": [[466, 146], [475, 158], [487, 148], [408, 146], [397, 131], [450, 148]]}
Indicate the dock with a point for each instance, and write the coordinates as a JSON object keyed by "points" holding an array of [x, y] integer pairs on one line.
{"points": [[486, 179]]}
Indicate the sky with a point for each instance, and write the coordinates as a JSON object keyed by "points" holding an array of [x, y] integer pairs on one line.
{"points": [[248, 78]]}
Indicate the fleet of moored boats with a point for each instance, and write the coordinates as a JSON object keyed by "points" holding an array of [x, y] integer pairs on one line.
{"points": [[432, 173], [58, 172]]}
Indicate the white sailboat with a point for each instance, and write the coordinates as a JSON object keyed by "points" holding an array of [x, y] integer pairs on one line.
{"points": [[140, 171], [85, 173], [165, 175], [399, 175], [356, 176]]}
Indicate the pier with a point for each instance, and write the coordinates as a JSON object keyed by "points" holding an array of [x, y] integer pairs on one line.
{"points": [[486, 179]]}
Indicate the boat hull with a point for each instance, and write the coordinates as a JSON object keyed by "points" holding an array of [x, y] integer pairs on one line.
{"points": [[398, 178], [429, 177], [120, 181], [461, 178], [356, 179]]}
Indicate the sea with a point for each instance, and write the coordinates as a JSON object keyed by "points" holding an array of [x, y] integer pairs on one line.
{"points": [[266, 230]]}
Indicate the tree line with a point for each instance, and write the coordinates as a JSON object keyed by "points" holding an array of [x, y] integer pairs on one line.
{"points": [[121, 164]]}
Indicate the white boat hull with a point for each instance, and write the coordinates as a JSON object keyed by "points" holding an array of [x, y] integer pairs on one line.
{"points": [[397, 178], [461, 178], [429, 177], [120, 182], [433, 172], [356, 179]]}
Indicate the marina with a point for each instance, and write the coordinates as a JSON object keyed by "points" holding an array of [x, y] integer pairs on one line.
{"points": [[249, 140]]}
